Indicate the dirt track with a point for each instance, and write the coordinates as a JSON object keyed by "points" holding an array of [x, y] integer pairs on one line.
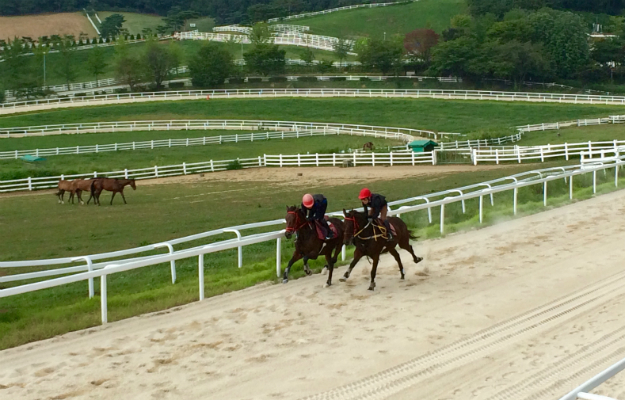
{"points": [[34, 26], [523, 310]]}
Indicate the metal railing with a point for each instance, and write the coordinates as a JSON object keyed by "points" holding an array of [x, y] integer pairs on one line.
{"points": [[581, 392]]}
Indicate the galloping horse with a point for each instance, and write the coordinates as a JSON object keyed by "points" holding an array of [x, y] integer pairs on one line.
{"points": [[112, 185], [308, 245], [370, 241]]}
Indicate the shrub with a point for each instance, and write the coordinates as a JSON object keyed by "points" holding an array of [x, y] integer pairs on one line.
{"points": [[338, 78], [278, 79], [254, 80], [365, 79], [307, 79], [236, 80], [235, 164], [120, 90], [175, 85], [80, 94]]}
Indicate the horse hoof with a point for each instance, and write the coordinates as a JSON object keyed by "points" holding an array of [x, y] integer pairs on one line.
{"points": [[308, 273], [324, 271], [342, 279], [402, 277], [371, 288], [327, 285], [285, 280], [418, 260]]}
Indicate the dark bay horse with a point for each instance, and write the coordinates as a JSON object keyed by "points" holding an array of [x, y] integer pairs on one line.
{"points": [[112, 185], [308, 245], [368, 146], [370, 241]]}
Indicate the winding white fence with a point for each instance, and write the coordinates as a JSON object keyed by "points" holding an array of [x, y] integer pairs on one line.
{"points": [[333, 10], [405, 134], [34, 105], [426, 202]]}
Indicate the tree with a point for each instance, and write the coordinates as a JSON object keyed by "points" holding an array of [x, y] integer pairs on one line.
{"points": [[12, 65], [608, 50], [419, 44], [176, 19], [515, 60], [128, 67], [176, 56], [158, 62], [66, 66], [265, 59], [260, 34], [341, 49], [382, 55], [97, 62], [464, 57], [307, 55], [211, 65], [112, 25]]}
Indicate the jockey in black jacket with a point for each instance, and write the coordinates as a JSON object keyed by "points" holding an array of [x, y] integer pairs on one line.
{"points": [[376, 207], [315, 207]]}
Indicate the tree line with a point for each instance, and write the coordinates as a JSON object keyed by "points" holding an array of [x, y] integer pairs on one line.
{"points": [[224, 11]]}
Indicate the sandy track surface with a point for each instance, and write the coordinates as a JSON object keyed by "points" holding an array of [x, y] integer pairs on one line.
{"points": [[34, 26], [287, 176], [523, 310]]}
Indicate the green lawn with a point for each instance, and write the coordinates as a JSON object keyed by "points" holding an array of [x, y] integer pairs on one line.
{"points": [[373, 22], [35, 226], [442, 115], [598, 133], [135, 22], [116, 161]]}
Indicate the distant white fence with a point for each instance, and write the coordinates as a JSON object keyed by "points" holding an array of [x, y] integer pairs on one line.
{"points": [[279, 28], [333, 10], [197, 141], [89, 271], [405, 134], [33, 105], [299, 160]]}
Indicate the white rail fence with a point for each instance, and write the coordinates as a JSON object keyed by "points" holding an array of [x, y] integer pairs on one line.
{"points": [[581, 392], [333, 10], [426, 202], [300, 160], [405, 134], [186, 142], [20, 106]]}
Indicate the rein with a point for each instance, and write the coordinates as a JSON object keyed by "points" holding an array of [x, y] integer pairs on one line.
{"points": [[375, 235], [297, 220]]}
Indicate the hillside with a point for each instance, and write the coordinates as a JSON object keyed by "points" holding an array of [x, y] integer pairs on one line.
{"points": [[373, 22]]}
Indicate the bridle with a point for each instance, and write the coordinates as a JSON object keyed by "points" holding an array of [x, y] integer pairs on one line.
{"points": [[297, 221]]}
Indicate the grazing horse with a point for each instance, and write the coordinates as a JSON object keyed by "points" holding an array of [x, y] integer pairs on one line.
{"points": [[308, 245], [368, 146], [370, 241], [66, 186], [112, 185]]}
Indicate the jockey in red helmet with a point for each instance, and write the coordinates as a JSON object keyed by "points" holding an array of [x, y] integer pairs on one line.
{"points": [[376, 207], [315, 207]]}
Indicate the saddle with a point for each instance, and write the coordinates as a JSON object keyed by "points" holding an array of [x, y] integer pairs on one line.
{"points": [[321, 230]]}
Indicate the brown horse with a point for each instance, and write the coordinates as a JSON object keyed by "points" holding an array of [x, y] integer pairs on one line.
{"points": [[65, 186], [370, 240], [112, 185], [82, 185], [308, 245], [368, 146]]}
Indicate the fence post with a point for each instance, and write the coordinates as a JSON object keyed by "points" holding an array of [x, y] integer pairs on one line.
{"points": [[354, 159], [200, 271], [545, 193], [172, 263], [116, 146], [333, 159], [169, 142], [279, 257], [133, 145], [442, 218], [616, 166], [594, 181], [152, 144], [184, 168], [299, 161], [516, 190], [96, 148], [30, 183], [260, 161], [103, 300], [156, 171], [566, 151], [126, 173], [542, 156], [212, 166], [481, 208], [373, 159], [571, 188], [317, 158], [412, 157]]}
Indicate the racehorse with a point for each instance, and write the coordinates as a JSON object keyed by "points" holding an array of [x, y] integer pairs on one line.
{"points": [[370, 240], [112, 185], [65, 186], [308, 245], [368, 146]]}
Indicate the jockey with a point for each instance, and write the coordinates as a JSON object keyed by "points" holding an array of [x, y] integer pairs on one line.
{"points": [[315, 209], [376, 207]]}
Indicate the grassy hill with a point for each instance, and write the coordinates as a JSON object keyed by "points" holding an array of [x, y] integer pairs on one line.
{"points": [[373, 22], [136, 22]]}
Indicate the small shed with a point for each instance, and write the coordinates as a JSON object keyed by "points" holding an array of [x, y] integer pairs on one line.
{"points": [[421, 146]]}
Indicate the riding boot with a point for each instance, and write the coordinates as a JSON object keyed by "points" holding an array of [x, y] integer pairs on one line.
{"points": [[389, 232], [329, 233]]}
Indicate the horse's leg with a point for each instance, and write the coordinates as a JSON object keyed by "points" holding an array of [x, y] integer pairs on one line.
{"points": [[330, 268], [79, 194], [357, 256], [62, 196], [337, 251], [374, 270], [306, 268], [122, 193], [395, 255], [406, 246], [296, 256], [112, 197]]}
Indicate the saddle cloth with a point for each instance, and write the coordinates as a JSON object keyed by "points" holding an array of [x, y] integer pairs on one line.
{"points": [[321, 231]]}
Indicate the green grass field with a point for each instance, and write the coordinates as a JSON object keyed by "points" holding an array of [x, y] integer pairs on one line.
{"points": [[438, 115], [373, 22], [115, 161], [162, 212], [598, 133]]}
